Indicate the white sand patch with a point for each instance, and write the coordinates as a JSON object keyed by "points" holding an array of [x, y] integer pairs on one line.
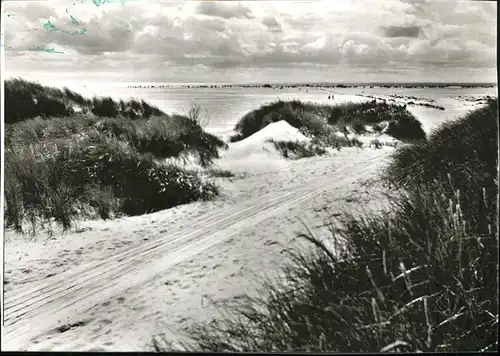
{"points": [[278, 131], [256, 153]]}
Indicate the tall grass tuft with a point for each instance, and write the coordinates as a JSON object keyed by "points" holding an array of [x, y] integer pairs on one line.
{"points": [[421, 276]]}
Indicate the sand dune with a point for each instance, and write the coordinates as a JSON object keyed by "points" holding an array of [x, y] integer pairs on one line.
{"points": [[115, 284]]}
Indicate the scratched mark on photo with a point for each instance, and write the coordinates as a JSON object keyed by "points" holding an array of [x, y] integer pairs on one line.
{"points": [[100, 2], [47, 50], [51, 27]]}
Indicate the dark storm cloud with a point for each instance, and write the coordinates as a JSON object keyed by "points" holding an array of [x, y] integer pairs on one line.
{"points": [[401, 31], [272, 24], [224, 10]]}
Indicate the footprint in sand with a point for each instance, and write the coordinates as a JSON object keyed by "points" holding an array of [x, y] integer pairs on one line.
{"points": [[83, 229], [171, 282], [63, 328], [185, 286]]}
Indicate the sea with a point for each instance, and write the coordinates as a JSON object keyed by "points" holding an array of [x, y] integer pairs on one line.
{"points": [[223, 107]]}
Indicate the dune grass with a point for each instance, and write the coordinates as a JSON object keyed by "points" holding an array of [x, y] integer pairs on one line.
{"points": [[297, 150], [401, 124], [421, 276], [64, 168], [26, 100], [322, 121]]}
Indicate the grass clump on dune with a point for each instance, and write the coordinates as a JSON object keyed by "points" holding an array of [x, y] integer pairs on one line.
{"points": [[323, 121], [421, 276], [297, 150], [64, 168], [301, 115], [400, 123]]}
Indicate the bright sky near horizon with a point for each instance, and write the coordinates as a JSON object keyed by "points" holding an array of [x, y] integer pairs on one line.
{"points": [[254, 41]]}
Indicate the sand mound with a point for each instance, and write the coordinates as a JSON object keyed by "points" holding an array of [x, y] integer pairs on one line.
{"points": [[278, 131], [257, 152], [259, 141]]}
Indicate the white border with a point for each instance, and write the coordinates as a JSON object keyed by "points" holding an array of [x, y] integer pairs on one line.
{"points": [[2, 147]]}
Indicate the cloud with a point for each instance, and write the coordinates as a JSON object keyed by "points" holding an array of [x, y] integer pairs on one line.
{"points": [[401, 31], [272, 24], [224, 10], [169, 38]]}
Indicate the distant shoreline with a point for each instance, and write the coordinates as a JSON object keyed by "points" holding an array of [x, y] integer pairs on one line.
{"points": [[343, 86]]}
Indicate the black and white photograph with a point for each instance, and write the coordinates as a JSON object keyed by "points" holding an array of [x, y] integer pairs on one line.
{"points": [[249, 176]]}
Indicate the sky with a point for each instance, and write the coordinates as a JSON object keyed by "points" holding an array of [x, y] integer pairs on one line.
{"points": [[127, 41]]}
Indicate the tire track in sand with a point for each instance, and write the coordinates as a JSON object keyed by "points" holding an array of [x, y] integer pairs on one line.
{"points": [[41, 308]]}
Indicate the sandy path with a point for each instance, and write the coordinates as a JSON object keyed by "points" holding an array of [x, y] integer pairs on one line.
{"points": [[119, 296]]}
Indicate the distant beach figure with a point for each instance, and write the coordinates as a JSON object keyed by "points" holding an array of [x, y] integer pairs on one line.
{"points": [[332, 96], [328, 97]]}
